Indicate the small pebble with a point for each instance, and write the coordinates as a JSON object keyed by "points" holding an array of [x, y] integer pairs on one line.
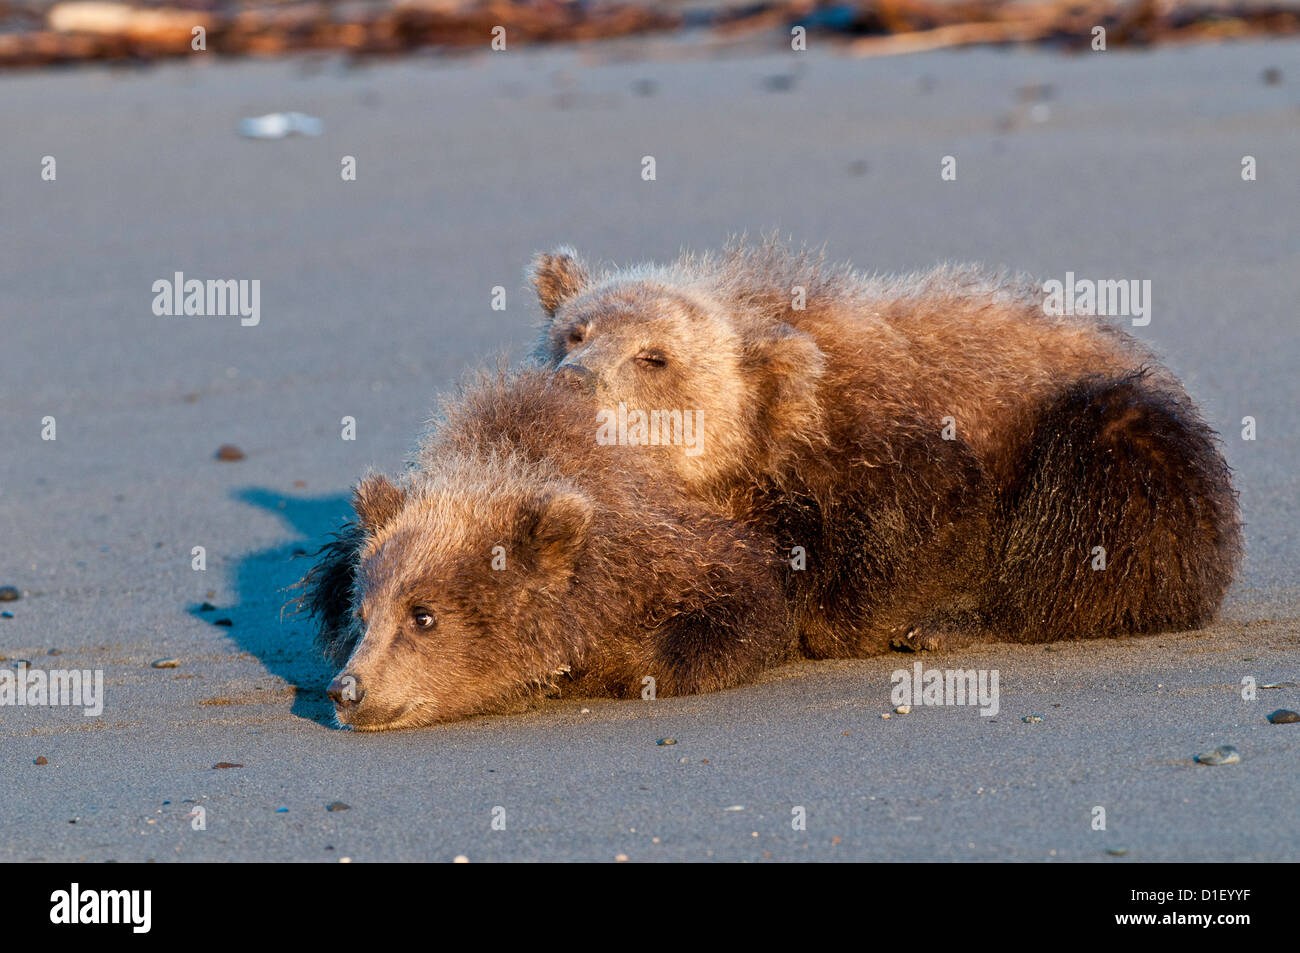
{"points": [[228, 451], [226, 622], [1224, 754], [904, 709], [666, 741], [884, 714], [345, 860], [1284, 716], [1272, 76], [337, 806], [164, 663], [54, 652], [1032, 719], [41, 760], [225, 764], [585, 711], [621, 858], [207, 607], [9, 594], [1279, 685], [460, 859], [282, 810], [6, 614], [1117, 851]]}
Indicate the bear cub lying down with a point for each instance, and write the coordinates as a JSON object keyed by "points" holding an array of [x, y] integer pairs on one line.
{"points": [[913, 463], [955, 463], [519, 556]]}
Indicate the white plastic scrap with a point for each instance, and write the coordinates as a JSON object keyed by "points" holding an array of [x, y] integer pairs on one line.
{"points": [[279, 125]]}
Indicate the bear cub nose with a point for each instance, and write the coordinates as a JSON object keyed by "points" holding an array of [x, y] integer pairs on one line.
{"points": [[346, 691], [578, 376]]}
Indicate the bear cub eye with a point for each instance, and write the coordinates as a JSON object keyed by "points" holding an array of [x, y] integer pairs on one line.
{"points": [[422, 617], [577, 335], [651, 359]]}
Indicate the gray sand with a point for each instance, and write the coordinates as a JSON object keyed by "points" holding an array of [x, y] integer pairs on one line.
{"points": [[376, 294]]}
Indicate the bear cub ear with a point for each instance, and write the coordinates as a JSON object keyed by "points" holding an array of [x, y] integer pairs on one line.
{"points": [[377, 500], [792, 366], [554, 525], [786, 355], [557, 276]]}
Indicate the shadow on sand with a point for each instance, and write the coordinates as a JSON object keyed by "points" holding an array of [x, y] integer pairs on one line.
{"points": [[262, 617]]}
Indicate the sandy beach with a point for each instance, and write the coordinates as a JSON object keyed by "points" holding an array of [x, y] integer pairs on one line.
{"points": [[376, 294]]}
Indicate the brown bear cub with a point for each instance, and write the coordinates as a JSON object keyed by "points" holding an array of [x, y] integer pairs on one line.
{"points": [[519, 555], [954, 463]]}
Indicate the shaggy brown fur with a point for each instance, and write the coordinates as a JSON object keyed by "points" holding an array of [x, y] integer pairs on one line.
{"points": [[609, 574], [827, 424]]}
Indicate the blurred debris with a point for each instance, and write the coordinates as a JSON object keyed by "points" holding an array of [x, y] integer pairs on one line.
{"points": [[279, 125], [40, 32]]}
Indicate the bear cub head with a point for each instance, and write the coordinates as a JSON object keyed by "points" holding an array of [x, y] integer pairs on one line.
{"points": [[458, 594], [663, 343]]}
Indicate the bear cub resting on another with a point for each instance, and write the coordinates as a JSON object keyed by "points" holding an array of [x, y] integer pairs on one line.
{"points": [[955, 463], [913, 463]]}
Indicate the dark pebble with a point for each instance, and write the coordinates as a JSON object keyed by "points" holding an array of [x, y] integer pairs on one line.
{"points": [[228, 451], [1284, 716], [207, 607], [40, 760], [1272, 76], [779, 82], [666, 741], [337, 806], [1117, 851], [10, 594], [53, 652], [164, 663], [225, 764], [226, 622]]}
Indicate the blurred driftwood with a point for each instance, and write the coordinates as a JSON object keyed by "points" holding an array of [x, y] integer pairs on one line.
{"points": [[76, 30]]}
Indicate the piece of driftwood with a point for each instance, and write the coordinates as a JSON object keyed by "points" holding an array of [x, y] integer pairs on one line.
{"points": [[85, 30]]}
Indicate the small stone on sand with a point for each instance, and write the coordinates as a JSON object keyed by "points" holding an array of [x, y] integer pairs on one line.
{"points": [[1224, 754]]}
